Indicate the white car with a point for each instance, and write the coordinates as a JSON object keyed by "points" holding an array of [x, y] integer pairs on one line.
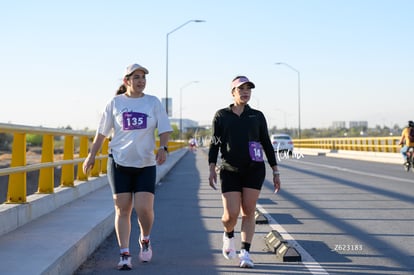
{"points": [[282, 143]]}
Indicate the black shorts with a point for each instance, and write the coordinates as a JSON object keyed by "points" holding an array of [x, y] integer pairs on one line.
{"points": [[130, 179], [252, 176]]}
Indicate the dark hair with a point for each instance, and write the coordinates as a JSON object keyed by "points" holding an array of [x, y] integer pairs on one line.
{"points": [[410, 123], [121, 90]]}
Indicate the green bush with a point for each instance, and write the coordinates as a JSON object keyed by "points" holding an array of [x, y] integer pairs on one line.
{"points": [[34, 140]]}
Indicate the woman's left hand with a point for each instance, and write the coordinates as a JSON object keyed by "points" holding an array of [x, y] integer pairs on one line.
{"points": [[276, 183], [161, 156]]}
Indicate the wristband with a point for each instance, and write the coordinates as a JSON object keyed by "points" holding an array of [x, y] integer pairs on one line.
{"points": [[276, 173], [165, 148]]}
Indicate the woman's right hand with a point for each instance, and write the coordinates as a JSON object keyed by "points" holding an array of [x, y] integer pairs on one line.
{"points": [[212, 179], [88, 164]]}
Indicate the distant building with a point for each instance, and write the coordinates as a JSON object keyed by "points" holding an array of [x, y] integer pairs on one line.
{"points": [[358, 124], [338, 124], [352, 124], [187, 123]]}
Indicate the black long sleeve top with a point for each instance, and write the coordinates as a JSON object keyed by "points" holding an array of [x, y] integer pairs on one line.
{"points": [[232, 134]]}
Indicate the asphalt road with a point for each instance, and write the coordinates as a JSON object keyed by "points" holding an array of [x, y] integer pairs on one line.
{"points": [[344, 216]]}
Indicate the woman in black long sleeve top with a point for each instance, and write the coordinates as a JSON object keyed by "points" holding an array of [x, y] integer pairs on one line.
{"points": [[240, 134]]}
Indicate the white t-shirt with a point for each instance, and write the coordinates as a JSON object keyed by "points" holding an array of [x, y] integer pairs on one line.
{"points": [[133, 121]]}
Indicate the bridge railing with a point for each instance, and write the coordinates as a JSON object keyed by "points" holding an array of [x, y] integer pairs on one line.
{"points": [[368, 144], [75, 150]]}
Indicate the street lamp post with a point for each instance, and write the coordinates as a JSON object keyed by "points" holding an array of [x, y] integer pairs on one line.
{"points": [[284, 116], [181, 106], [166, 70], [292, 68]]}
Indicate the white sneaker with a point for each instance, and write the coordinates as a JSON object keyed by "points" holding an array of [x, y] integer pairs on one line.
{"points": [[145, 255], [125, 262], [245, 260], [229, 249]]}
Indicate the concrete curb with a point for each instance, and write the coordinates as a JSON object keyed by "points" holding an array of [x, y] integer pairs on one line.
{"points": [[61, 230]]}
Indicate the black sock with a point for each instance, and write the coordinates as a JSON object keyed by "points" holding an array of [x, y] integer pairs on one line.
{"points": [[245, 246], [230, 234]]}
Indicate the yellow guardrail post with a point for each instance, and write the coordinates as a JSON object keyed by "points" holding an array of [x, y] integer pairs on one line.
{"points": [[370, 145], [46, 175], [385, 146], [97, 167], [394, 145], [83, 153], [68, 176], [16, 192], [104, 161]]}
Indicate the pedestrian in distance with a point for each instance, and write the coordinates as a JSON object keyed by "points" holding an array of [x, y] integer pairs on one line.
{"points": [[240, 134], [192, 144], [130, 120]]}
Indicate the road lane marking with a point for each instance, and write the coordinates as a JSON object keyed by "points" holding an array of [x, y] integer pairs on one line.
{"points": [[308, 261]]}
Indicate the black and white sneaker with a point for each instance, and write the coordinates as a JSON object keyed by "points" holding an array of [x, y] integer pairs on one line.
{"points": [[125, 262]]}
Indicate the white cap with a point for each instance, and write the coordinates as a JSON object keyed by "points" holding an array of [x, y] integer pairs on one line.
{"points": [[240, 81], [133, 67]]}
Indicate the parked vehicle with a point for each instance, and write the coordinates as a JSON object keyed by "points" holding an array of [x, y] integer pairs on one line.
{"points": [[282, 143]]}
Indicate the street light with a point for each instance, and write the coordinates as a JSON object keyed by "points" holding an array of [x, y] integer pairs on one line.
{"points": [[181, 106], [292, 68], [166, 70], [284, 115]]}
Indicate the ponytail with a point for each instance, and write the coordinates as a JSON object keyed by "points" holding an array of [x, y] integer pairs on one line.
{"points": [[121, 90]]}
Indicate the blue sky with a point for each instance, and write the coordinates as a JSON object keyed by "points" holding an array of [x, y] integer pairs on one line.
{"points": [[61, 61]]}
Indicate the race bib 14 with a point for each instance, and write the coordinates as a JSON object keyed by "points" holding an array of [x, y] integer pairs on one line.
{"points": [[255, 150]]}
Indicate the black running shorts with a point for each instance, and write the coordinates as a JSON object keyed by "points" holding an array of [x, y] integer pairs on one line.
{"points": [[251, 176], [130, 179]]}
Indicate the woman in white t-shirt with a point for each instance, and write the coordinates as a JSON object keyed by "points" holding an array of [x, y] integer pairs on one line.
{"points": [[130, 118]]}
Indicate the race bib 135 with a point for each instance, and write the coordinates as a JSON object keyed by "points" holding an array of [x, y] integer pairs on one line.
{"points": [[134, 121]]}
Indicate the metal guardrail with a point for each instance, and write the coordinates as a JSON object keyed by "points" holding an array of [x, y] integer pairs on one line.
{"points": [[367, 144], [17, 185], [72, 156]]}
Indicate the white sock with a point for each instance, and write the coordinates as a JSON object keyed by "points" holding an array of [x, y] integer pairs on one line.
{"points": [[124, 250]]}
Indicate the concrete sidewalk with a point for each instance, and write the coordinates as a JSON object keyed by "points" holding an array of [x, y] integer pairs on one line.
{"points": [[59, 242]]}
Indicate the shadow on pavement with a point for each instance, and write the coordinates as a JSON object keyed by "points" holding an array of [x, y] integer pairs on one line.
{"points": [[179, 239]]}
